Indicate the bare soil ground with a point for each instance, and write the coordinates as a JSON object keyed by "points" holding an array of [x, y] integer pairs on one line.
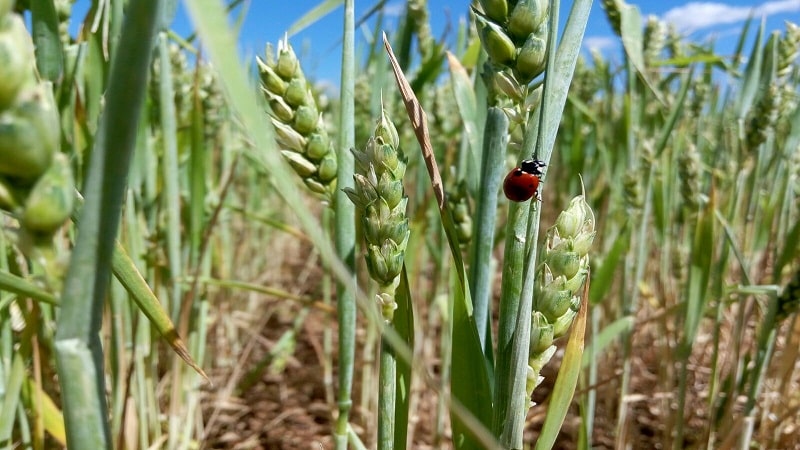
{"points": [[268, 398]]}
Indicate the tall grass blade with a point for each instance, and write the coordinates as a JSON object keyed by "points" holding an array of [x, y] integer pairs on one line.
{"points": [[560, 69], [505, 422], [429, 72], [15, 377], [198, 173], [314, 14], [607, 336], [740, 43], [471, 117], [701, 263], [44, 24], [387, 396], [170, 174], [668, 130], [18, 285], [495, 140], [52, 418], [469, 383], [79, 354], [696, 297], [345, 235], [125, 271], [789, 248], [751, 80], [404, 325], [606, 271], [564, 389]]}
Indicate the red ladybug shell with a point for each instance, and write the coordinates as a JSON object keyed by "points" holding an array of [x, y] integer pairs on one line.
{"points": [[522, 183]]}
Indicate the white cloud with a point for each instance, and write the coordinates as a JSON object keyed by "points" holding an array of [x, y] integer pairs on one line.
{"points": [[695, 16], [600, 43]]}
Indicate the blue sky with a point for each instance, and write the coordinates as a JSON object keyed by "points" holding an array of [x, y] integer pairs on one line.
{"points": [[267, 20], [319, 44]]}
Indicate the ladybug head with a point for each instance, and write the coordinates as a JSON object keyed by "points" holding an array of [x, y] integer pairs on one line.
{"points": [[532, 166]]}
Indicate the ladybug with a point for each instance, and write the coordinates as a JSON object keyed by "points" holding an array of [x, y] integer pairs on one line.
{"points": [[522, 183]]}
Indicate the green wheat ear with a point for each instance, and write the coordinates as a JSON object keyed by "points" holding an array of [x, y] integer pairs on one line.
{"points": [[514, 35], [36, 183], [559, 278], [655, 35], [381, 202], [299, 126], [462, 213], [16, 57]]}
